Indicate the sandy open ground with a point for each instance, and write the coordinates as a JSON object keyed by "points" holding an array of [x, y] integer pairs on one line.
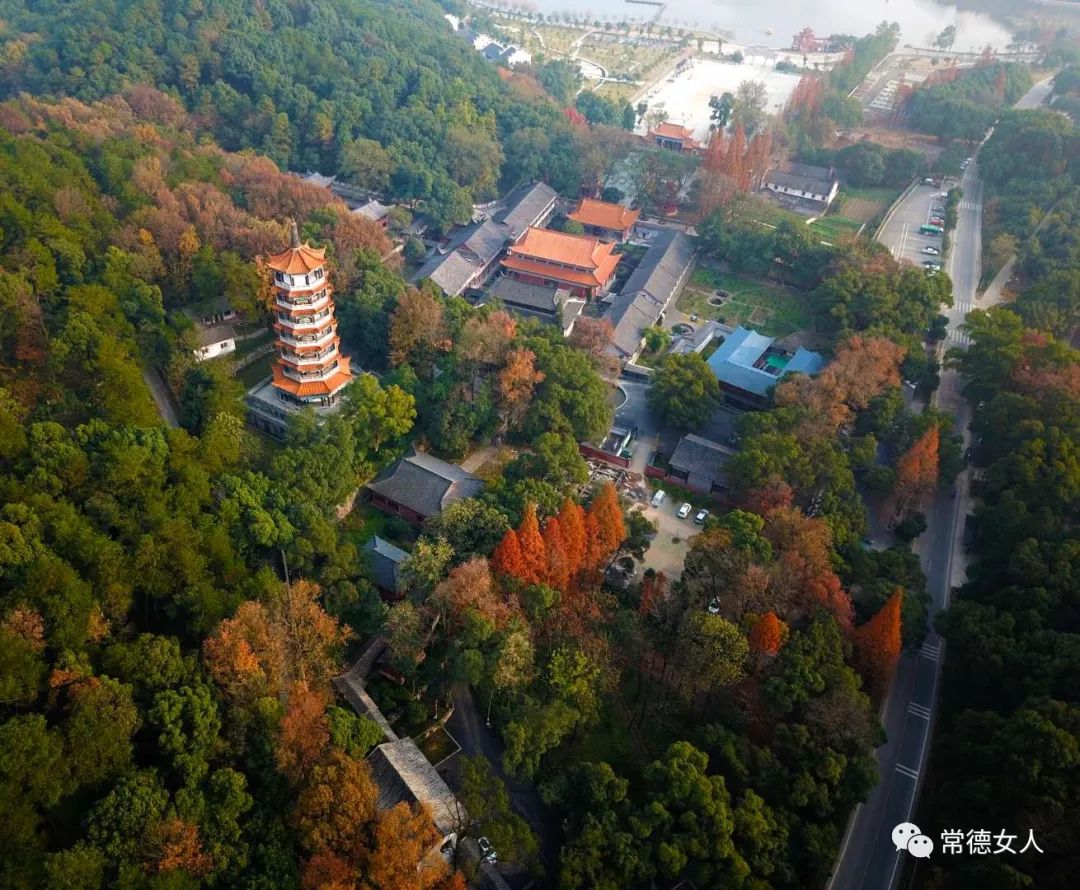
{"points": [[685, 96]]}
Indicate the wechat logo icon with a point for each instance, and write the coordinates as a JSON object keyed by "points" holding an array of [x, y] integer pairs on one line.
{"points": [[908, 836]]}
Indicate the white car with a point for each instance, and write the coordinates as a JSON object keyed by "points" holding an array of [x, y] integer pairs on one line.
{"points": [[714, 606], [702, 515], [658, 498], [931, 250], [487, 852], [684, 511]]}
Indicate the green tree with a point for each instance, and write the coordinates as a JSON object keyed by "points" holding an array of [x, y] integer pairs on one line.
{"points": [[683, 391]]}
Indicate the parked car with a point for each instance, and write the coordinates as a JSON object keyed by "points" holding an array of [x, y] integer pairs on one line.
{"points": [[714, 606], [937, 221], [702, 515], [684, 511], [487, 852], [931, 249], [931, 264], [658, 498]]}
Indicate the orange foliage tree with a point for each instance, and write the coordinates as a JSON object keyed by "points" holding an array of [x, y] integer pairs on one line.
{"points": [[533, 552], [335, 805], [604, 528], [304, 733], [174, 845], [877, 645], [506, 559], [401, 840], [768, 634], [917, 470], [653, 588], [517, 381], [470, 588], [572, 525], [558, 563], [327, 871]]}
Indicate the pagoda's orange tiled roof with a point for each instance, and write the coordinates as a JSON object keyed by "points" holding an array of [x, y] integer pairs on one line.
{"points": [[596, 278], [298, 260], [669, 130], [313, 387], [604, 215], [582, 251]]}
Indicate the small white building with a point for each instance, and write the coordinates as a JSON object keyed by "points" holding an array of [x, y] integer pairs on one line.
{"points": [[803, 183], [214, 332]]}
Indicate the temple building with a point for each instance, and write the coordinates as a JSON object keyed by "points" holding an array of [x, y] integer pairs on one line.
{"points": [[310, 370], [583, 265], [612, 222]]}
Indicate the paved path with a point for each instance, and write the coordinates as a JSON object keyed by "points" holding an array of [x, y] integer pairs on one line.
{"points": [[467, 725], [868, 860], [162, 396]]}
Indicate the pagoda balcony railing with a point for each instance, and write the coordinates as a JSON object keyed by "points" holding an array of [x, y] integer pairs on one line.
{"points": [[309, 376], [313, 339], [299, 282], [308, 356], [314, 301], [315, 318]]}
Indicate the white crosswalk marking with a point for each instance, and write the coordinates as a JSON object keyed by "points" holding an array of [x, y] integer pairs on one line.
{"points": [[963, 306], [907, 771], [930, 650], [918, 710]]}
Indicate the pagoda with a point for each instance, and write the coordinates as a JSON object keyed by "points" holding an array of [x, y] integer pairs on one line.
{"points": [[310, 368]]}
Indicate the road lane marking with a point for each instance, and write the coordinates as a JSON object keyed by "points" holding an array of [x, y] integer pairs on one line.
{"points": [[918, 710], [907, 771]]}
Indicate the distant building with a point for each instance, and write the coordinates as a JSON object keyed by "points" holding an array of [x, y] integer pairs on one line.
{"points": [[583, 265], [806, 42], [674, 138], [317, 179], [658, 280], [310, 370], [814, 187], [420, 485], [612, 222], [748, 364], [384, 564], [214, 332], [375, 211], [704, 333], [549, 304]]}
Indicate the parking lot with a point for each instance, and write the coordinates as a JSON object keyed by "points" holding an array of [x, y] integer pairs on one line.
{"points": [[668, 550], [901, 231]]}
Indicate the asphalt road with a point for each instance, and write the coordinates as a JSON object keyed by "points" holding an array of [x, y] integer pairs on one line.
{"points": [[868, 859]]}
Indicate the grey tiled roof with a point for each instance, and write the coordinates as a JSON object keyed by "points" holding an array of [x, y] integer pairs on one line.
{"points": [[452, 272], [531, 296], [658, 277], [425, 484], [524, 206], [804, 178], [700, 457], [404, 775], [483, 240], [663, 267], [384, 561], [373, 210], [218, 333]]}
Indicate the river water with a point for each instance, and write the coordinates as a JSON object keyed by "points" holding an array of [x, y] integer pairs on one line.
{"points": [[773, 22]]}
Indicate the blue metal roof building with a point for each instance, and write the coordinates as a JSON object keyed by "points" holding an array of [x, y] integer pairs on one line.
{"points": [[748, 365]]}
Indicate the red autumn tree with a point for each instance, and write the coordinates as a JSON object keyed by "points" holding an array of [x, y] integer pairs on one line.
{"points": [[533, 553], [304, 733], [506, 558], [877, 645], [327, 871], [768, 635], [604, 528], [652, 589], [174, 845], [917, 470], [572, 525], [558, 564]]}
